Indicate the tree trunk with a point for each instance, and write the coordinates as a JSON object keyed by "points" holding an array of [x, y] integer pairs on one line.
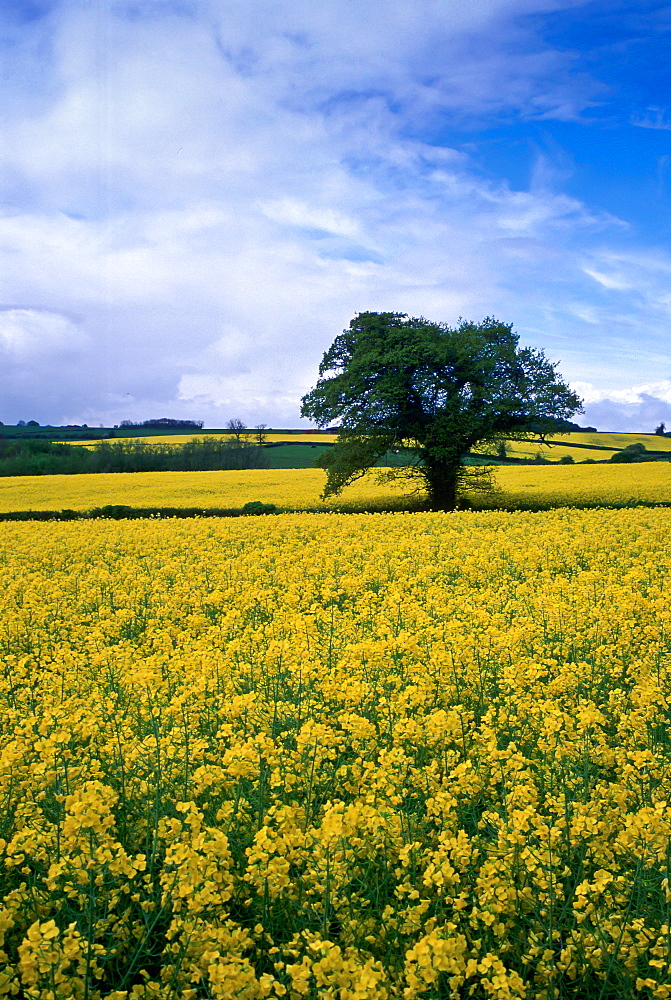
{"points": [[441, 483]]}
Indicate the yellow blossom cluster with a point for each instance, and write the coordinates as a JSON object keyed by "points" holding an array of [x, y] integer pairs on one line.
{"points": [[579, 444], [376, 757], [293, 488], [583, 485], [517, 486], [251, 436], [584, 444], [653, 442]]}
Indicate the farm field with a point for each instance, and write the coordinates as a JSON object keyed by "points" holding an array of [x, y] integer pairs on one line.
{"points": [[582, 445], [519, 487], [375, 757], [306, 438], [532, 449], [301, 450], [605, 439], [284, 487], [579, 444]]}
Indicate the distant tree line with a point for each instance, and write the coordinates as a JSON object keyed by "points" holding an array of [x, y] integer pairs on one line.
{"points": [[40, 458], [189, 425]]}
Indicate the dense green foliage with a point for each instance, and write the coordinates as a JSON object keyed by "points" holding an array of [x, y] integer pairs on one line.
{"points": [[632, 453], [38, 457], [396, 382], [35, 457], [166, 423], [259, 507]]}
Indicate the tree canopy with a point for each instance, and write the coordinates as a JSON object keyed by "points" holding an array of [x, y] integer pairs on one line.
{"points": [[392, 381]]}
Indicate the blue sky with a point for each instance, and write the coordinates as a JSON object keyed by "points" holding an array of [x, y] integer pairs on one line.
{"points": [[198, 195]]}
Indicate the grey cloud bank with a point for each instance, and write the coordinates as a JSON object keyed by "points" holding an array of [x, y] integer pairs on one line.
{"points": [[198, 196]]}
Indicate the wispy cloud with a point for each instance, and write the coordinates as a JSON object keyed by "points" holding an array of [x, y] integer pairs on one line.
{"points": [[657, 118], [214, 196]]}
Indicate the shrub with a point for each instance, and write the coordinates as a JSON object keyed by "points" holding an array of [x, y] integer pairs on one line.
{"points": [[258, 507], [632, 453]]}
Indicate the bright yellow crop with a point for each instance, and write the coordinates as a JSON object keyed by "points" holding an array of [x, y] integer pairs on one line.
{"points": [[580, 445], [597, 439], [374, 757], [284, 487], [653, 442], [589, 485], [551, 452], [520, 486], [250, 436]]}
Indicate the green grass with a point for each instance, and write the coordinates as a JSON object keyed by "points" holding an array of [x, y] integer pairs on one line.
{"points": [[304, 456], [294, 456]]}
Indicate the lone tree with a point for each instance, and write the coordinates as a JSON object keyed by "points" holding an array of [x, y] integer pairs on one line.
{"points": [[398, 382], [260, 433], [237, 428]]}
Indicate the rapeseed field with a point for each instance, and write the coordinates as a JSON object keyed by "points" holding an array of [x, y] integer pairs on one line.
{"points": [[375, 757], [284, 487], [318, 437], [580, 445], [517, 487]]}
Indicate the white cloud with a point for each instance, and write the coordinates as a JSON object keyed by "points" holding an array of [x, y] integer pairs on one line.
{"points": [[235, 396], [636, 408], [218, 194], [631, 396], [38, 335], [291, 212], [606, 281]]}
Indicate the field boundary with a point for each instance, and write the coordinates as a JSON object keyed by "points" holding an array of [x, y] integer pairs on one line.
{"points": [[119, 512]]}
